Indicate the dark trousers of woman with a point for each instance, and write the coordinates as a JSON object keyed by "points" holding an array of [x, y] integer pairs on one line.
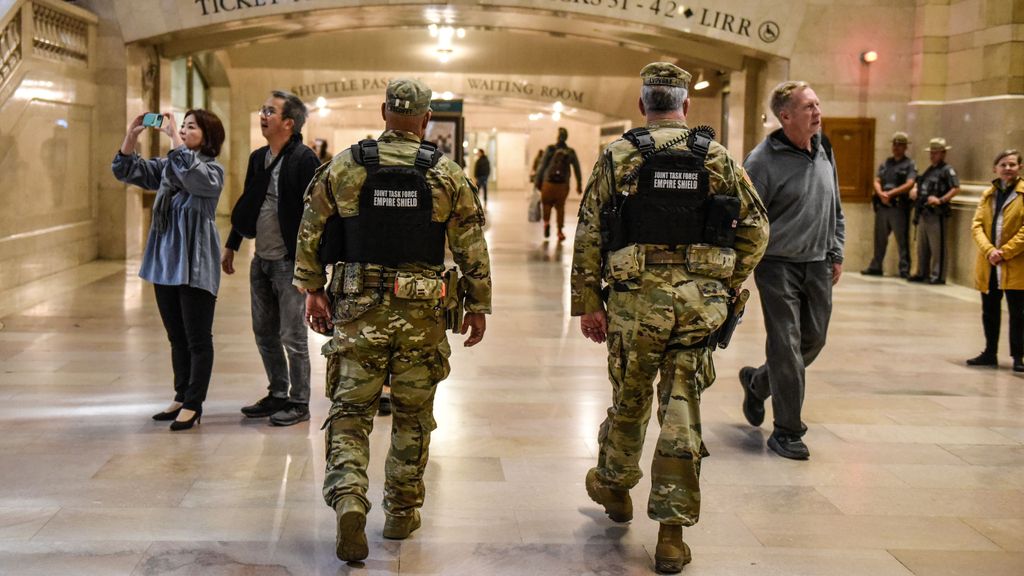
{"points": [[187, 314], [991, 315]]}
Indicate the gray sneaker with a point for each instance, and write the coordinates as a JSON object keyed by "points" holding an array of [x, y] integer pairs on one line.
{"points": [[292, 413]]}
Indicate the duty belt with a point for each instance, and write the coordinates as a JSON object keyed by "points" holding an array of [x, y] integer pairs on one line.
{"points": [[381, 280], [661, 256]]}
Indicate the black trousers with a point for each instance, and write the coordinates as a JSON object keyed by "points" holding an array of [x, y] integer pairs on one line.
{"points": [[991, 316], [187, 314]]}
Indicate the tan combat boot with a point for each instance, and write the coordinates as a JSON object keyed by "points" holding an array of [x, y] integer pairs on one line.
{"points": [[617, 503], [672, 553], [399, 527], [351, 541]]}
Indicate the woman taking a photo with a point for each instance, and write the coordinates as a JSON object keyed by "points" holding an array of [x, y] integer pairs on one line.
{"points": [[182, 257], [998, 232]]}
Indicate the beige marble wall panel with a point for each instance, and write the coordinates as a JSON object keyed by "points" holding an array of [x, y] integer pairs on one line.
{"points": [[860, 226]]}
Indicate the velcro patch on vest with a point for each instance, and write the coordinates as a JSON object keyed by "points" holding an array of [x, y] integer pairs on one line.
{"points": [[676, 180], [409, 199]]}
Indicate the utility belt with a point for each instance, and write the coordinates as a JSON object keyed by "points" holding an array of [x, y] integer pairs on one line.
{"points": [[628, 263], [359, 281], [354, 278]]}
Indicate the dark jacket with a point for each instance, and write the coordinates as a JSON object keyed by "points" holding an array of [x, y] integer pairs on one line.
{"points": [[482, 168], [298, 163]]}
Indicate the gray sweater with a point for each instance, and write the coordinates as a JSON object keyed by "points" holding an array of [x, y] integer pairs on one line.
{"points": [[801, 192]]}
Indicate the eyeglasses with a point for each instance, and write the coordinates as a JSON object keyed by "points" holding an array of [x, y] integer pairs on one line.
{"points": [[267, 111]]}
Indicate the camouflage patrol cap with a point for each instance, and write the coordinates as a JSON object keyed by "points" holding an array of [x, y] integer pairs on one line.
{"points": [[900, 138], [665, 74], [937, 145], [408, 96]]}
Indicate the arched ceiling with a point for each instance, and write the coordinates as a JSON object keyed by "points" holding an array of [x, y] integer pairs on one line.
{"points": [[502, 40]]}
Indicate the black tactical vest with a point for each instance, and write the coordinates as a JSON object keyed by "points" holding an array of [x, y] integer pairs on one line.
{"points": [[394, 224], [670, 203]]}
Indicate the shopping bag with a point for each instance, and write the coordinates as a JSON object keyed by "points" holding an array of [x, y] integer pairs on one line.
{"points": [[533, 212]]}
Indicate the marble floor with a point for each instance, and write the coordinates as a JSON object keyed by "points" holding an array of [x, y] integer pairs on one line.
{"points": [[917, 462]]}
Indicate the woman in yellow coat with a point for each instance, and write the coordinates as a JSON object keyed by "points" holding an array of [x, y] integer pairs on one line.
{"points": [[998, 230]]}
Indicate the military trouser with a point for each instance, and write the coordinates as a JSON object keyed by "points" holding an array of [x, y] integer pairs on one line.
{"points": [[895, 220], [376, 335], [651, 329]]}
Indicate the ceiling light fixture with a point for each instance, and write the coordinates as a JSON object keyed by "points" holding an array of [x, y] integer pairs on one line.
{"points": [[701, 82], [445, 40]]}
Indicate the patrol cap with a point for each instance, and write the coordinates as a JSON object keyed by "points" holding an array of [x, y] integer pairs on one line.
{"points": [[937, 145], [664, 74], [900, 138], [408, 96]]}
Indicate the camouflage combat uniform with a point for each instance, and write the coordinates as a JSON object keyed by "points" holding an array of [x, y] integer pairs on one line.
{"points": [[653, 321], [377, 334]]}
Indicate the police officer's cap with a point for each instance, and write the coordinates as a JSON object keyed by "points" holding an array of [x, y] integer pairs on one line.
{"points": [[900, 138], [665, 74], [937, 145], [408, 96]]}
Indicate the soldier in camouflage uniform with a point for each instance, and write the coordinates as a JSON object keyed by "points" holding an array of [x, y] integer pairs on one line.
{"points": [[387, 317], [664, 302]]}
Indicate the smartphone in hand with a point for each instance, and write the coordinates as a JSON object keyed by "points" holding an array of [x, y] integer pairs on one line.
{"points": [[152, 119]]}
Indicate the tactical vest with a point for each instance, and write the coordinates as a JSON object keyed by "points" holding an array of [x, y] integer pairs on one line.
{"points": [[670, 203], [394, 225]]}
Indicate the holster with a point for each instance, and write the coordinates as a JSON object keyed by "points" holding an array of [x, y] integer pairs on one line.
{"points": [[721, 337], [454, 300]]}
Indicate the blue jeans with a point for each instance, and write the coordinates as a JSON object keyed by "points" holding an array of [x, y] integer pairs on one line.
{"points": [[280, 329]]}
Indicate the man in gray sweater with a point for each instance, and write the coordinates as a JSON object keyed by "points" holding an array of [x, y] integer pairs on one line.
{"points": [[795, 174]]}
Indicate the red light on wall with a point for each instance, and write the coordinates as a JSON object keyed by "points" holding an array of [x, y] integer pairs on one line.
{"points": [[868, 57]]}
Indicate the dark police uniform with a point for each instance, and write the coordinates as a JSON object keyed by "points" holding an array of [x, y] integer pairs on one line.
{"points": [[894, 218], [931, 221]]}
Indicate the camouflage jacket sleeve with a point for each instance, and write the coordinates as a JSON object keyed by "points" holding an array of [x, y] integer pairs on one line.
{"points": [[319, 205], [752, 228], [586, 256], [468, 246]]}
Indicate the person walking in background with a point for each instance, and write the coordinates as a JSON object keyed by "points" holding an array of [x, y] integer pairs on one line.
{"points": [[481, 172], [536, 165], [932, 195], [553, 181], [322, 154], [183, 248], [795, 174], [998, 230], [891, 202], [270, 210]]}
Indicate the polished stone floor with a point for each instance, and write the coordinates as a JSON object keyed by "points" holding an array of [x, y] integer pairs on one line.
{"points": [[917, 461]]}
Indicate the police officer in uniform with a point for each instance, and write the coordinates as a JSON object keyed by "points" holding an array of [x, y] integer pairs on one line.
{"points": [[398, 200], [891, 201], [673, 226], [932, 195]]}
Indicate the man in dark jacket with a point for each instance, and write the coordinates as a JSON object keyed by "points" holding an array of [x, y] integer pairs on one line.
{"points": [[270, 210], [481, 172]]}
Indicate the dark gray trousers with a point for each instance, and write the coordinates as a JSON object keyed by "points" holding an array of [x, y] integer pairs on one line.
{"points": [[931, 246], [895, 220], [796, 299], [278, 323]]}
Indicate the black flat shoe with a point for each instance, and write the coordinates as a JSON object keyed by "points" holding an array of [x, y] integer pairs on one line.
{"points": [[791, 447], [166, 416], [178, 425], [1018, 364], [985, 359]]}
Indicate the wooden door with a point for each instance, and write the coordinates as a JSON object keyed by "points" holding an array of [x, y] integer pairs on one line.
{"points": [[853, 143]]}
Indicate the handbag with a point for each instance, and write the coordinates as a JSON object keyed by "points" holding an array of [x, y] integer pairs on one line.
{"points": [[533, 212]]}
